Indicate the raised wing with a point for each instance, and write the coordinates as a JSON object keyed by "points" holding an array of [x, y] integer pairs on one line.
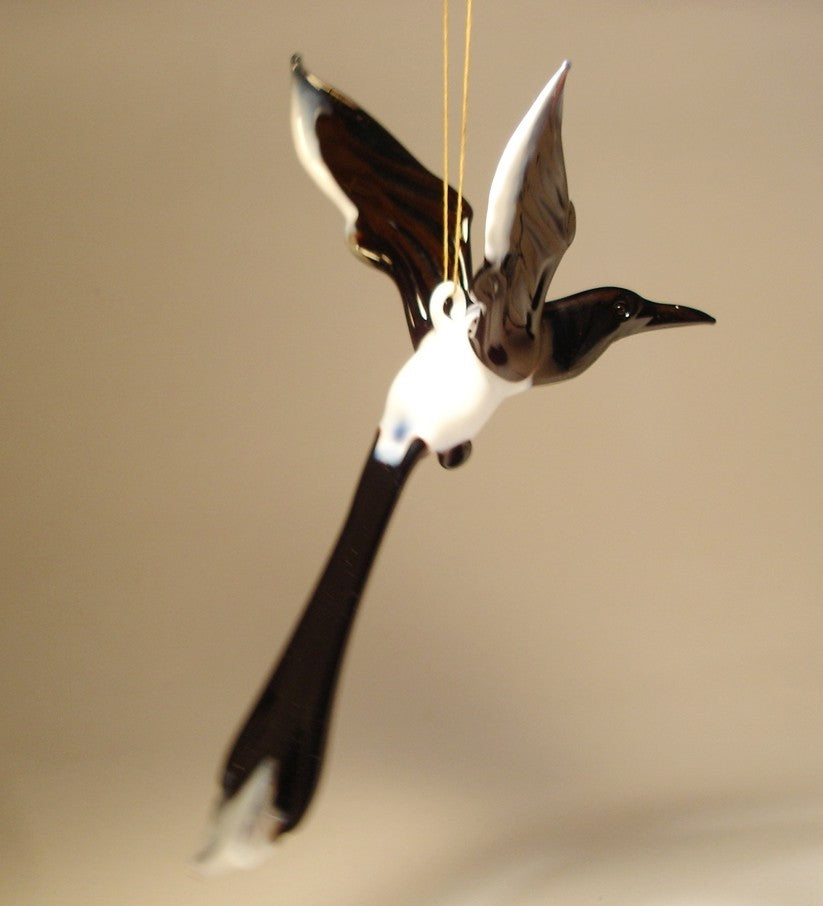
{"points": [[392, 205], [529, 225]]}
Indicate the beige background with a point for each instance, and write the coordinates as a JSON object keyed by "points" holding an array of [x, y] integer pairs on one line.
{"points": [[588, 666]]}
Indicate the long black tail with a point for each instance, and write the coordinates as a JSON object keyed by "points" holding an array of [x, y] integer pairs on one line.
{"points": [[289, 723]]}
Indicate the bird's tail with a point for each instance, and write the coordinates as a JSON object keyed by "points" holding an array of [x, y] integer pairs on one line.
{"points": [[274, 765]]}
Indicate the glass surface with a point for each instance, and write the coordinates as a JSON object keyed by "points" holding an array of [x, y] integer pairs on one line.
{"points": [[588, 663]]}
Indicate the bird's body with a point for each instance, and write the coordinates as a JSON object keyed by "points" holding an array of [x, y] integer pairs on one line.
{"points": [[476, 343], [444, 394]]}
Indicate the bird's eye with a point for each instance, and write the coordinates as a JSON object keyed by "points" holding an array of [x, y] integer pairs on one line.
{"points": [[621, 310], [400, 430]]}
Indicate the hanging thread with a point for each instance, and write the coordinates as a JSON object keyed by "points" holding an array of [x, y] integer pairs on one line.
{"points": [[445, 30], [463, 130]]}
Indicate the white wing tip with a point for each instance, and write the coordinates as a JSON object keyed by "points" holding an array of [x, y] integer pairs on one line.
{"points": [[506, 182], [308, 101]]}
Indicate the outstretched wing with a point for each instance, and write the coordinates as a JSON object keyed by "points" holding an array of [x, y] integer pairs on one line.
{"points": [[529, 225], [392, 205]]}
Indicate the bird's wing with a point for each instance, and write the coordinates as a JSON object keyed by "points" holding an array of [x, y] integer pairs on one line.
{"points": [[529, 225], [392, 205]]}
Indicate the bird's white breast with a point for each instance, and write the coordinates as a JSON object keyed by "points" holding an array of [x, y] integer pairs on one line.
{"points": [[443, 394]]}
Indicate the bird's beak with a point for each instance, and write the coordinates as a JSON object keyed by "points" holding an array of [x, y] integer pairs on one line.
{"points": [[659, 314]]}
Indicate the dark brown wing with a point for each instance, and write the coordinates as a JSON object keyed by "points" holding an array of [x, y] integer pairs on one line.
{"points": [[393, 206], [529, 225]]}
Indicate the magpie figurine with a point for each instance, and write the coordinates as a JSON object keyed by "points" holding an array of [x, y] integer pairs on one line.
{"points": [[488, 336]]}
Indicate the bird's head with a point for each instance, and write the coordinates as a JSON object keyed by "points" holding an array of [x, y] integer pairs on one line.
{"points": [[583, 326]]}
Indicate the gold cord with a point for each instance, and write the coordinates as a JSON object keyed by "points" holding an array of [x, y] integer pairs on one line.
{"points": [[463, 119], [463, 130], [445, 139]]}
